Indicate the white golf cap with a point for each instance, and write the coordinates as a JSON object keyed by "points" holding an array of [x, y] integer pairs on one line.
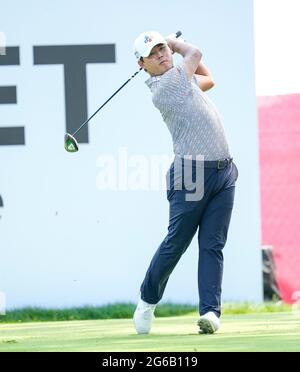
{"points": [[146, 41]]}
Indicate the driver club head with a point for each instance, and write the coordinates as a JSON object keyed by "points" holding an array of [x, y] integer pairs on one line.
{"points": [[71, 144]]}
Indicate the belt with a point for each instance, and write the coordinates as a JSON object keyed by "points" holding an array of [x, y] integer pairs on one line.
{"points": [[218, 164]]}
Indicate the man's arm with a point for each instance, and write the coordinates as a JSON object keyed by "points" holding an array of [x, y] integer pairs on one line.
{"points": [[191, 55], [204, 78], [192, 61]]}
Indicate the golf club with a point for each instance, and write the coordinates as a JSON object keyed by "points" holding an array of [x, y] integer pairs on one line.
{"points": [[71, 144]]}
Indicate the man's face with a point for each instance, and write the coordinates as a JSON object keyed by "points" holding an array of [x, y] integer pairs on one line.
{"points": [[159, 60]]}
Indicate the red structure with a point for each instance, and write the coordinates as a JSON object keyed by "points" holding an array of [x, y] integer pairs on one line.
{"points": [[279, 136]]}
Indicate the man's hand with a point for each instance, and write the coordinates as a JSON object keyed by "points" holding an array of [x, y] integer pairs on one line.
{"points": [[171, 38]]}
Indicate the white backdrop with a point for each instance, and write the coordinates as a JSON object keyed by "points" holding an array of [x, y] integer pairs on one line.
{"points": [[63, 241]]}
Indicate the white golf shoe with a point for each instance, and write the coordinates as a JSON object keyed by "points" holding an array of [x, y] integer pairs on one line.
{"points": [[209, 323], [143, 317]]}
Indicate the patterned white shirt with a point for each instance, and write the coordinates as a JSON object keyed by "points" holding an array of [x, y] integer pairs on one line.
{"points": [[192, 119]]}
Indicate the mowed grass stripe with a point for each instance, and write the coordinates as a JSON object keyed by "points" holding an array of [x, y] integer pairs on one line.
{"points": [[251, 332]]}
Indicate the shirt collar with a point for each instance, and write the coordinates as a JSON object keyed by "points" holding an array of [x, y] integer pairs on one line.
{"points": [[151, 80]]}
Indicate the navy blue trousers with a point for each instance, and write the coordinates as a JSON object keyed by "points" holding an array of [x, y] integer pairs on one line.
{"points": [[211, 217]]}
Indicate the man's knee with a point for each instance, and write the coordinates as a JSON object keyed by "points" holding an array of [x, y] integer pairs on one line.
{"points": [[175, 244], [212, 245]]}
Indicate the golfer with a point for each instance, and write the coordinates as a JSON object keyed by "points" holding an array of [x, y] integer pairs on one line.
{"points": [[198, 136]]}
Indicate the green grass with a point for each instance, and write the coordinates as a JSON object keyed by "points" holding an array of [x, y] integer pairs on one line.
{"points": [[242, 332], [125, 311], [250, 308], [113, 311]]}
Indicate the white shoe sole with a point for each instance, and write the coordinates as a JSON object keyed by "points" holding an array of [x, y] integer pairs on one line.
{"points": [[206, 326]]}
